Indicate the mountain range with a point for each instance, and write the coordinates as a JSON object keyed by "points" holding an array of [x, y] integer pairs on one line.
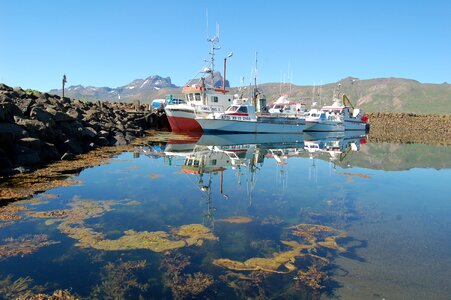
{"points": [[372, 95]]}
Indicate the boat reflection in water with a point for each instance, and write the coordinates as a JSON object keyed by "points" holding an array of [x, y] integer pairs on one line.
{"points": [[202, 158], [337, 144]]}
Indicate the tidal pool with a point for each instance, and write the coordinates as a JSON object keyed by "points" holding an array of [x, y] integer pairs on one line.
{"points": [[240, 216]]}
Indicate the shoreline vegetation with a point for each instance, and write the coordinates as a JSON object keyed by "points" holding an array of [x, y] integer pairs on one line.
{"points": [[58, 138]]}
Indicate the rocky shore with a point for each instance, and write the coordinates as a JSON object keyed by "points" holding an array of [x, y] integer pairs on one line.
{"points": [[410, 128], [38, 128]]}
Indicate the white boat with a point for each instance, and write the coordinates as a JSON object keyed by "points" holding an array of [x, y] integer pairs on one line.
{"points": [[352, 118], [319, 120], [340, 116], [181, 117], [284, 106], [204, 92], [243, 118]]}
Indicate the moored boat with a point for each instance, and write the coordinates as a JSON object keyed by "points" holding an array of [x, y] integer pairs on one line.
{"points": [[352, 118], [318, 120], [204, 92], [243, 118], [284, 106]]}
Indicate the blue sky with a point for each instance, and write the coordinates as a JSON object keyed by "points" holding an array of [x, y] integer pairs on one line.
{"points": [[110, 43]]}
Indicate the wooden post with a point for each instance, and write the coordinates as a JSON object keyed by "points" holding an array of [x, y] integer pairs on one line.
{"points": [[64, 81]]}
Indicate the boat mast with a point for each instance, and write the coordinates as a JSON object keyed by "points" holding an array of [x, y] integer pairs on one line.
{"points": [[255, 92], [213, 40]]}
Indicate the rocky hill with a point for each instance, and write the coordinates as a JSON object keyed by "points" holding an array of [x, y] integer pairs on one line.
{"points": [[137, 89], [145, 90], [373, 95]]}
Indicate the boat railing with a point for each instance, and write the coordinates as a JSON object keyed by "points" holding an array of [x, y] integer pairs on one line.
{"points": [[280, 115]]}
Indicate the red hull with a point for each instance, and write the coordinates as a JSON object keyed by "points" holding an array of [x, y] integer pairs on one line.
{"points": [[180, 124]]}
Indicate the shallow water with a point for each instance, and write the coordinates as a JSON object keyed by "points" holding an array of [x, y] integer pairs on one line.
{"points": [[385, 207]]}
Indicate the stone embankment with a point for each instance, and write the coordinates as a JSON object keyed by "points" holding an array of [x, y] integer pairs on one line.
{"points": [[410, 128], [38, 128]]}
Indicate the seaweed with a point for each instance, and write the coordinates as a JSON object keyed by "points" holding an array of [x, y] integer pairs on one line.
{"points": [[22, 289], [24, 245], [12, 289], [251, 286], [183, 285], [312, 237], [120, 281], [236, 220], [9, 212], [72, 223], [154, 176], [313, 278]]}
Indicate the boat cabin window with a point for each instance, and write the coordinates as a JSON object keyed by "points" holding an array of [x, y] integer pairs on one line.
{"points": [[213, 162], [187, 97], [197, 96], [232, 108], [214, 99], [196, 163], [190, 97], [243, 109]]}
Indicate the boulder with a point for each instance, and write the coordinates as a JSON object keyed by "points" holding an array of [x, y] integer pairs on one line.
{"points": [[4, 160], [42, 115], [24, 156], [31, 143], [75, 113], [71, 129], [49, 152], [62, 117], [91, 115], [102, 141], [104, 133], [89, 131], [10, 110], [73, 146], [9, 133], [67, 156], [33, 126], [118, 139], [25, 105], [4, 87]]}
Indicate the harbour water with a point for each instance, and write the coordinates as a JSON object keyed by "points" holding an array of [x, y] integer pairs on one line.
{"points": [[240, 216]]}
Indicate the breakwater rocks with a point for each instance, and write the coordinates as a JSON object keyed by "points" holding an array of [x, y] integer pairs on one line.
{"points": [[410, 128], [38, 128]]}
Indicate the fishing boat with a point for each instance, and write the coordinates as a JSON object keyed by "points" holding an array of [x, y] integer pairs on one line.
{"points": [[243, 118], [204, 92], [340, 116], [319, 120], [352, 118], [284, 106], [247, 115]]}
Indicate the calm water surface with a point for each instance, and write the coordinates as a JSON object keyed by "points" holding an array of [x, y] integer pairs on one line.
{"points": [[277, 217]]}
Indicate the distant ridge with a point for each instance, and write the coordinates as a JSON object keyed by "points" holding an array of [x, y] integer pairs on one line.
{"points": [[373, 95], [137, 89]]}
